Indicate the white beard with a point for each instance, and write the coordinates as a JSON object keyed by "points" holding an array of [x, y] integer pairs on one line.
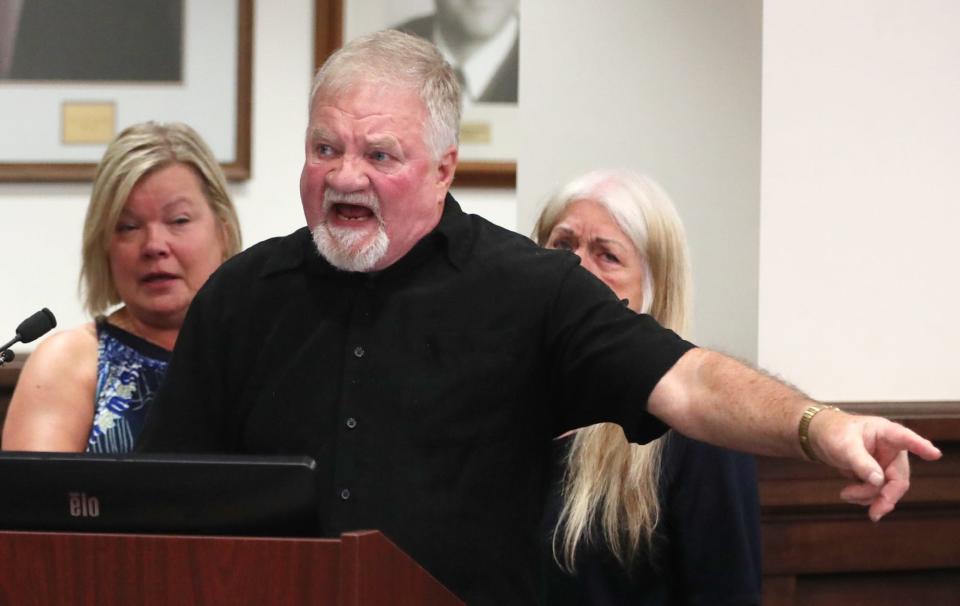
{"points": [[342, 247]]}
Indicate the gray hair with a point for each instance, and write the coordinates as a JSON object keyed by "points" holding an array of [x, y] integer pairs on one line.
{"points": [[396, 59], [643, 210], [610, 487]]}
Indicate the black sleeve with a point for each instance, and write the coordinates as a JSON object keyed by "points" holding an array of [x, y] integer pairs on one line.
{"points": [[189, 413], [605, 359], [712, 520]]}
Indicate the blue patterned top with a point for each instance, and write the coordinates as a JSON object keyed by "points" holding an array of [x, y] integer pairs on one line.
{"points": [[129, 371]]}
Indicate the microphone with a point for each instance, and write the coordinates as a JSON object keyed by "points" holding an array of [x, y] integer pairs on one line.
{"points": [[33, 328]]}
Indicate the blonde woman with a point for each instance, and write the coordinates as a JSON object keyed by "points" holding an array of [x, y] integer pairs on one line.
{"points": [[160, 221], [674, 521]]}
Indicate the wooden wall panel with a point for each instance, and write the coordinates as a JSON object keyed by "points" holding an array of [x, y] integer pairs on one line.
{"points": [[818, 551]]}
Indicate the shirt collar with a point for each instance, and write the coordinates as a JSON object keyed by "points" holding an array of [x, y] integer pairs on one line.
{"points": [[452, 236], [454, 229]]}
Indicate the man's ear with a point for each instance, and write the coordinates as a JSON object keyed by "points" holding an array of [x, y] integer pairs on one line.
{"points": [[447, 167]]}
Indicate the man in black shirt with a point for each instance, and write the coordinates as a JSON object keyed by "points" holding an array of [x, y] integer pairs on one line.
{"points": [[425, 358]]}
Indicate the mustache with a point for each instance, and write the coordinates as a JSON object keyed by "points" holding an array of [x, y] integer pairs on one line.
{"points": [[365, 199]]}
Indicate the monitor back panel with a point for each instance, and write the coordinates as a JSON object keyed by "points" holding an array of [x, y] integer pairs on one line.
{"points": [[171, 494]]}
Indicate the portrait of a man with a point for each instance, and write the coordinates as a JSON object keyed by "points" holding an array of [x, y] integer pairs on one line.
{"points": [[91, 40], [481, 40]]}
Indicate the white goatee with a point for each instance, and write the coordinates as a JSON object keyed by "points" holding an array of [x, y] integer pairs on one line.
{"points": [[344, 247]]}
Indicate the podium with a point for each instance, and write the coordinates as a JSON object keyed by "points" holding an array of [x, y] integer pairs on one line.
{"points": [[359, 568]]}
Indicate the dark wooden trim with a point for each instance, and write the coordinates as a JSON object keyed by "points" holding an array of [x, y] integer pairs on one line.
{"points": [[241, 168], [486, 174], [10, 372], [327, 29], [820, 551], [904, 410]]}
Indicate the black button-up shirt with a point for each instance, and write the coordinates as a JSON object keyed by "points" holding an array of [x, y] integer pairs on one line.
{"points": [[428, 393]]}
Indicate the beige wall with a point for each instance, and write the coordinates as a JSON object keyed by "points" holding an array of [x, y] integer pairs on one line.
{"points": [[667, 88], [855, 238], [861, 198]]}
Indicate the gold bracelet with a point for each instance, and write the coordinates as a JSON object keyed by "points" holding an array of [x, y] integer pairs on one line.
{"points": [[804, 429]]}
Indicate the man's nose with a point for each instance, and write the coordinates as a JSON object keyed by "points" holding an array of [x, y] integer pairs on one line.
{"points": [[155, 242], [348, 175]]}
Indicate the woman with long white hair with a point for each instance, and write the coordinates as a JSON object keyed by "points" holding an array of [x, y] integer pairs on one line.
{"points": [[674, 521]]}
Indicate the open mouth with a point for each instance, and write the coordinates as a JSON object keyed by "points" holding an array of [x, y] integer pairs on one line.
{"points": [[352, 212], [157, 277]]}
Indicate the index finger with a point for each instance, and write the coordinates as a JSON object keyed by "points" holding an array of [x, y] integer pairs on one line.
{"points": [[899, 437]]}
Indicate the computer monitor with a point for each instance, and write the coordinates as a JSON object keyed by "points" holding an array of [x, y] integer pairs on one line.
{"points": [[150, 493]]}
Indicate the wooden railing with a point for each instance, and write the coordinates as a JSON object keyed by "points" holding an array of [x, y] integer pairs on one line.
{"points": [[818, 551]]}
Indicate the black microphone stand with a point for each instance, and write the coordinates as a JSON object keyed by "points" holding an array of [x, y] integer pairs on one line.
{"points": [[32, 328], [7, 355]]}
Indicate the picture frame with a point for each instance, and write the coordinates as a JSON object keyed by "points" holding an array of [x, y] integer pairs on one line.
{"points": [[329, 35], [51, 118]]}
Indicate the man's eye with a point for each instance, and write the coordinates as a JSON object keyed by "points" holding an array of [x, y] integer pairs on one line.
{"points": [[379, 156], [324, 150]]}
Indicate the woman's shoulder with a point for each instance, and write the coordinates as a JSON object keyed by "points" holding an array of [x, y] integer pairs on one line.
{"points": [[52, 404], [70, 341], [65, 353]]}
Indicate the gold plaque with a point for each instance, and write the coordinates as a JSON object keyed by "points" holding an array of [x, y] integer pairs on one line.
{"points": [[85, 123], [475, 133]]}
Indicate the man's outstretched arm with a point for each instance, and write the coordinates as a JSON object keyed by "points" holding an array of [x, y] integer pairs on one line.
{"points": [[714, 398]]}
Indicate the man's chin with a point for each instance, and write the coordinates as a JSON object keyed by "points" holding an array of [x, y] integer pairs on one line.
{"points": [[351, 250]]}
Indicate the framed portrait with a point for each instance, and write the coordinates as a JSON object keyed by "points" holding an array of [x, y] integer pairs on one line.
{"points": [[481, 41], [74, 73]]}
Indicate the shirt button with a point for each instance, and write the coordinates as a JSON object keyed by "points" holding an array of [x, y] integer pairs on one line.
{"points": [[358, 351], [345, 494], [351, 423]]}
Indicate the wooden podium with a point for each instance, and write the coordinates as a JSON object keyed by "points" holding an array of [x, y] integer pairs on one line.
{"points": [[360, 568]]}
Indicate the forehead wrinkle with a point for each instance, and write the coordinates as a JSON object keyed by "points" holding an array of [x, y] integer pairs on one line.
{"points": [[322, 132], [382, 140], [377, 137], [608, 242], [357, 114], [565, 229], [166, 205], [178, 200]]}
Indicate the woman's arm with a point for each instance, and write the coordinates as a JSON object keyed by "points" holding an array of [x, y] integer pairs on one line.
{"points": [[52, 406]]}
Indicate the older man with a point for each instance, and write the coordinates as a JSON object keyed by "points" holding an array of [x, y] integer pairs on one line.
{"points": [[425, 357]]}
